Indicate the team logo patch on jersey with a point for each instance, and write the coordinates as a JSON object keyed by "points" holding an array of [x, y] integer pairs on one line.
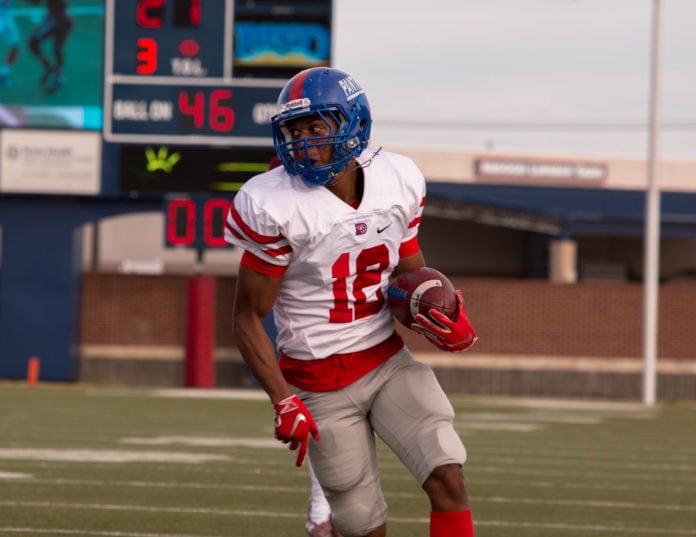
{"points": [[360, 228]]}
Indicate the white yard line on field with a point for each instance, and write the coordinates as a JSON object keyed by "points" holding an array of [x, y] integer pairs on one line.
{"points": [[241, 395], [169, 485], [147, 509], [7, 476], [684, 477], [477, 499], [35, 532], [586, 527], [106, 455], [587, 503], [206, 441]]}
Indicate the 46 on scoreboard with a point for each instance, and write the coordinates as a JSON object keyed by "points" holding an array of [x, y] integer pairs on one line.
{"points": [[198, 72]]}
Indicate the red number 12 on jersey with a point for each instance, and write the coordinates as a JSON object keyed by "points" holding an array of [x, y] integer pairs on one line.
{"points": [[369, 265]]}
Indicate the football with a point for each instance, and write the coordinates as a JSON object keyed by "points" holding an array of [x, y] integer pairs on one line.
{"points": [[418, 291]]}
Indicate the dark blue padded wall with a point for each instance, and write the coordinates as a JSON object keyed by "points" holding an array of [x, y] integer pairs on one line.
{"points": [[39, 288], [40, 280]]}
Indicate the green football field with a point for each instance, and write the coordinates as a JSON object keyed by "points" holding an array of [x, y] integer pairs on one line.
{"points": [[91, 461]]}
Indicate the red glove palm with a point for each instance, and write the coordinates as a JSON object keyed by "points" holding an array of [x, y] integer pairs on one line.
{"points": [[293, 423], [446, 334]]}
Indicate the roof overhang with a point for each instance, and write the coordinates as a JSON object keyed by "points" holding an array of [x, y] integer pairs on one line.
{"points": [[560, 211]]}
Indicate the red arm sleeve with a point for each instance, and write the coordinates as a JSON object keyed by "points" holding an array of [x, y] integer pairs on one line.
{"points": [[409, 248], [257, 264]]}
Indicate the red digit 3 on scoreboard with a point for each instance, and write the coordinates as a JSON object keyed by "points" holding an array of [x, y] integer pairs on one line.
{"points": [[146, 56]]}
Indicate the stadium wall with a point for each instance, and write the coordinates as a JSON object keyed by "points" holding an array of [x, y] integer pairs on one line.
{"points": [[535, 338]]}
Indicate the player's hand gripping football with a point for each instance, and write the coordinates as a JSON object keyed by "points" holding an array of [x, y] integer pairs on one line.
{"points": [[446, 334], [293, 423]]}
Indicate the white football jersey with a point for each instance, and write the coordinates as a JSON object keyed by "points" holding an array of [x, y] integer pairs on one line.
{"points": [[332, 294]]}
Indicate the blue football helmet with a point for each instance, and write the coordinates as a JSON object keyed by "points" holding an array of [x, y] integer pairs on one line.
{"points": [[331, 95]]}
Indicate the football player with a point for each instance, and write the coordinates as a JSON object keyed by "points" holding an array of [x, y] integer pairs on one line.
{"points": [[57, 25], [321, 237], [318, 523], [10, 36]]}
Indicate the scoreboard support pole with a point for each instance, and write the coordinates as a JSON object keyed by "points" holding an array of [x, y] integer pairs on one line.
{"points": [[199, 368]]}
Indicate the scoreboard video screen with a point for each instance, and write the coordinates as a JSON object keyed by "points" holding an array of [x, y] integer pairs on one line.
{"points": [[177, 95], [51, 79], [190, 87], [205, 72]]}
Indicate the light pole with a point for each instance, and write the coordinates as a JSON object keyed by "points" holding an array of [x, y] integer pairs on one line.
{"points": [[651, 272]]}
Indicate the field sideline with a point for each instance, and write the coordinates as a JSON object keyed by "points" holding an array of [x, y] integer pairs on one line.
{"points": [[81, 460]]}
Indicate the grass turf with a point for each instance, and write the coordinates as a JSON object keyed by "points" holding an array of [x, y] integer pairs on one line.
{"points": [[93, 461]]}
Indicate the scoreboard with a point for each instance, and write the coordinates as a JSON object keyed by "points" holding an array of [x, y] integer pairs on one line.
{"points": [[205, 72], [190, 87]]}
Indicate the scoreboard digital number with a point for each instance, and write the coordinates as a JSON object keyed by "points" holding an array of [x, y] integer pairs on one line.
{"points": [[205, 72], [195, 222]]}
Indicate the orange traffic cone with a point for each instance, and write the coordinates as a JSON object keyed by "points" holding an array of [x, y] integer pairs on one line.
{"points": [[33, 370]]}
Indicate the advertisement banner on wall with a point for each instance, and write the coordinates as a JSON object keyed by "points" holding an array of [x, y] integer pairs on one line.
{"points": [[50, 162]]}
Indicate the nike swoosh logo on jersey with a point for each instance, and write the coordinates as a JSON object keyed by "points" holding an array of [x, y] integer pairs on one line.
{"points": [[380, 229]]}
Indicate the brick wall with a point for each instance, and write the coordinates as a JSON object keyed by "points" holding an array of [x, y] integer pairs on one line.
{"points": [[512, 317], [122, 309]]}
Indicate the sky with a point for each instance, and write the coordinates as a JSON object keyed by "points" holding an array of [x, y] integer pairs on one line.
{"points": [[561, 76]]}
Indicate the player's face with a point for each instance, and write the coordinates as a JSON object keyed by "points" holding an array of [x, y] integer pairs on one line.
{"points": [[312, 127]]}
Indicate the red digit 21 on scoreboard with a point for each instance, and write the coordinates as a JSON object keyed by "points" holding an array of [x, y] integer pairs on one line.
{"points": [[150, 13]]}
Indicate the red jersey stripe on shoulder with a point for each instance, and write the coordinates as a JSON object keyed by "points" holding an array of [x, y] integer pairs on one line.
{"points": [[283, 250], [256, 237], [414, 222], [257, 264], [297, 85], [275, 252], [409, 248], [234, 232]]}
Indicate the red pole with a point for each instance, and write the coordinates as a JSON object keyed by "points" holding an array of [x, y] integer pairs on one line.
{"points": [[199, 369]]}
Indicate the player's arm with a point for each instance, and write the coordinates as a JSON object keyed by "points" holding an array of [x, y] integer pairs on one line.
{"points": [[410, 262], [254, 299], [410, 256]]}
